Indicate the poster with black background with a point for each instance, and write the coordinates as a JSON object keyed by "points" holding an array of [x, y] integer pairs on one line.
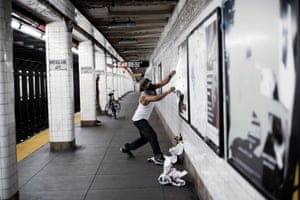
{"points": [[260, 42]]}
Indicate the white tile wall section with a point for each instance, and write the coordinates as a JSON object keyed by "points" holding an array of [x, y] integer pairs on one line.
{"points": [[108, 59], [99, 61], [87, 81], [109, 75], [60, 82], [120, 81], [8, 163], [119, 77], [101, 70], [115, 79]]}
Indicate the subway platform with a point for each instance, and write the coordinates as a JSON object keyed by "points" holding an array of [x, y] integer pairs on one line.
{"points": [[97, 169]]}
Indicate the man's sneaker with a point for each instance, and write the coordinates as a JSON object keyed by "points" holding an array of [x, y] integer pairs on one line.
{"points": [[98, 122], [159, 159], [125, 149]]}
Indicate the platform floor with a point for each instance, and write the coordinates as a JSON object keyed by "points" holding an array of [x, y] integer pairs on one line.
{"points": [[97, 170]]}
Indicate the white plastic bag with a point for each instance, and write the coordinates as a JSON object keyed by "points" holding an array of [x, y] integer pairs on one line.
{"points": [[170, 174]]}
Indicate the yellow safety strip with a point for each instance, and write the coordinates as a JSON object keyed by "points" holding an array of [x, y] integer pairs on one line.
{"points": [[296, 183], [27, 147]]}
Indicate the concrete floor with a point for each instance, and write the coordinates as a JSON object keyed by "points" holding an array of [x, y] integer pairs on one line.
{"points": [[97, 170]]}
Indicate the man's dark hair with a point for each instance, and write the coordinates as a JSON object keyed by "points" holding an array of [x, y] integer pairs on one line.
{"points": [[144, 83]]}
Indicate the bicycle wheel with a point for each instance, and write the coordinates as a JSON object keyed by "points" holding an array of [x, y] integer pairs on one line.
{"points": [[114, 112], [117, 106]]}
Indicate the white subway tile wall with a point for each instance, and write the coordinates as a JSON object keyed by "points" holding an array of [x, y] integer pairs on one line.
{"points": [[101, 71], [115, 81], [87, 81], [60, 82]]}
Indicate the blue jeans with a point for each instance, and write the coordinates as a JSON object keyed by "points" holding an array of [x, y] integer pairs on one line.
{"points": [[147, 135]]}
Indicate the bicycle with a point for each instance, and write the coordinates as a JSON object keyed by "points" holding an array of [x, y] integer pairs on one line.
{"points": [[113, 106]]}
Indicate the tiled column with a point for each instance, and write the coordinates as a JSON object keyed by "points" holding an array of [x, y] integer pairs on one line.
{"points": [[115, 79], [110, 80], [60, 86], [120, 82], [8, 161], [109, 73], [87, 84], [101, 71]]}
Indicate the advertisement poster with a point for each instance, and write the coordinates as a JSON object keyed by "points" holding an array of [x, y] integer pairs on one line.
{"points": [[182, 83], [159, 77], [212, 66], [204, 65], [260, 63], [197, 80]]}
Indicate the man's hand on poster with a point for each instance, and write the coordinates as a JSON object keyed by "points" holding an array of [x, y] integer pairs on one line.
{"points": [[172, 73]]}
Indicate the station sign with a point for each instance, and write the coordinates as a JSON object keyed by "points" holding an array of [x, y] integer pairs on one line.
{"points": [[58, 65], [86, 70], [122, 64], [138, 64], [133, 64]]}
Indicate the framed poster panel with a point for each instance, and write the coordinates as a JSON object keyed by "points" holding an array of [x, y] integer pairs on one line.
{"points": [[261, 72], [158, 76], [214, 80], [204, 62], [182, 82], [197, 80]]}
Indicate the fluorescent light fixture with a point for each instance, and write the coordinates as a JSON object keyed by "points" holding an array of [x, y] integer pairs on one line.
{"points": [[127, 41], [27, 29], [128, 24], [31, 31], [15, 24]]}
